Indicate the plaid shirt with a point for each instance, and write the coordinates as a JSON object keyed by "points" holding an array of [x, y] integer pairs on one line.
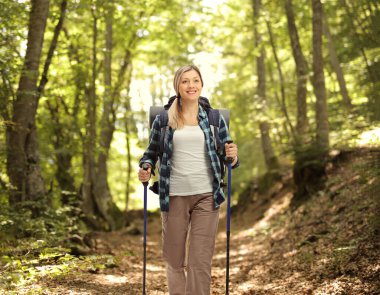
{"points": [[152, 152]]}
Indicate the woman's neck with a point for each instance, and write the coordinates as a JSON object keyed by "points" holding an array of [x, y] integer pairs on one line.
{"points": [[190, 112], [190, 108]]}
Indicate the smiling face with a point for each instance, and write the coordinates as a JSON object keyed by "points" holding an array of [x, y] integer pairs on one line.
{"points": [[190, 85]]}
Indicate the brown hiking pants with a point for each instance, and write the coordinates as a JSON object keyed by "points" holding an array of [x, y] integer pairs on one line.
{"points": [[188, 236]]}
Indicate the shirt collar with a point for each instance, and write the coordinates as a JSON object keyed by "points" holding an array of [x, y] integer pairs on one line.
{"points": [[202, 113]]}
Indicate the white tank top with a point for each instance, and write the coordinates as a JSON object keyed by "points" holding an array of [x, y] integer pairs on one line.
{"points": [[190, 164]]}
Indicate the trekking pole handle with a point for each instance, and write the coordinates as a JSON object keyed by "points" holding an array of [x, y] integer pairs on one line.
{"points": [[230, 160], [146, 166]]}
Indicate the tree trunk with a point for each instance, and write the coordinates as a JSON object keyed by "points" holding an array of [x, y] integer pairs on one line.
{"points": [[103, 198], [302, 73], [319, 79], [266, 142], [52, 48], [309, 167], [336, 65], [63, 158], [100, 188], [285, 125], [271, 160], [128, 119], [88, 205], [22, 156], [282, 83], [129, 165], [125, 76], [63, 155], [80, 75], [6, 92]]}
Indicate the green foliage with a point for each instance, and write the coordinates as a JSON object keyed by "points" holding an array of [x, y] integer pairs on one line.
{"points": [[14, 16], [30, 246], [41, 261], [51, 225]]}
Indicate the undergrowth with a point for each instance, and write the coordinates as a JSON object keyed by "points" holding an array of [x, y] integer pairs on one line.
{"points": [[32, 247]]}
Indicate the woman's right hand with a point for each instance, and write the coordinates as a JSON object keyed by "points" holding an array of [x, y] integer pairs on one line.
{"points": [[144, 175]]}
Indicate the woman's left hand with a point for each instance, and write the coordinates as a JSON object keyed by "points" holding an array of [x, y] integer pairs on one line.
{"points": [[231, 151]]}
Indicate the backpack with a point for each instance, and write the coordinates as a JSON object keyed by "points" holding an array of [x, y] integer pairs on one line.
{"points": [[213, 119]]}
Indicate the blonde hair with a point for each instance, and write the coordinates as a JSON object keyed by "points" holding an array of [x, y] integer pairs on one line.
{"points": [[175, 111]]}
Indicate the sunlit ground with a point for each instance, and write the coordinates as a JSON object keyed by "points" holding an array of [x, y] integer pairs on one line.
{"points": [[369, 138], [112, 279]]}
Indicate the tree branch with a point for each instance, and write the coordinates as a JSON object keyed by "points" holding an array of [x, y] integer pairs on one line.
{"points": [[53, 46]]}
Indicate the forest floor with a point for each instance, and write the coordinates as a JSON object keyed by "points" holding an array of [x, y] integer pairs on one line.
{"points": [[328, 245]]}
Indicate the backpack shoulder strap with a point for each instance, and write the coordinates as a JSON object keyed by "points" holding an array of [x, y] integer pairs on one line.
{"points": [[213, 119], [164, 121], [164, 118]]}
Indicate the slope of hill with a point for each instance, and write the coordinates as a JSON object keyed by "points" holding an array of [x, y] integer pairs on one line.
{"points": [[328, 245]]}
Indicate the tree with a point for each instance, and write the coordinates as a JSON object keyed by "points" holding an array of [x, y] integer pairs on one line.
{"points": [[301, 70], [101, 190], [282, 103], [319, 79], [309, 167], [128, 125], [89, 204], [336, 64], [63, 176], [266, 142], [22, 154]]}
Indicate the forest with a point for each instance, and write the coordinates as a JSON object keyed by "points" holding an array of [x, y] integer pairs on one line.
{"points": [[302, 82]]}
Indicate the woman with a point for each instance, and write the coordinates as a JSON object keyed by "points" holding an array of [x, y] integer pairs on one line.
{"points": [[189, 185]]}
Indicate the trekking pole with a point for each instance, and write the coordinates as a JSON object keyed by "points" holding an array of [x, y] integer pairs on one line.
{"points": [[145, 167], [229, 161]]}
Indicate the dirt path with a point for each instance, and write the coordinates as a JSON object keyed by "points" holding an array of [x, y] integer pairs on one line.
{"points": [[327, 246], [126, 277]]}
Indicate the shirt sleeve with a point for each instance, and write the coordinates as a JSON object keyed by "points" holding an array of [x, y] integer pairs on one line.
{"points": [[150, 155], [224, 138]]}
